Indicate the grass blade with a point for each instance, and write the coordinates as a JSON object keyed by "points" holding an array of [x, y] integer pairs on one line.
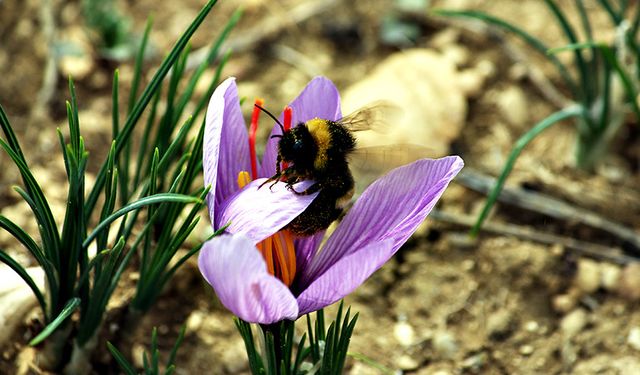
{"points": [[124, 135], [534, 42], [146, 201], [572, 111], [68, 309]]}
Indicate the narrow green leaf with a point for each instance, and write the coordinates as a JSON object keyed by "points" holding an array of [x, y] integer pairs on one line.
{"points": [[137, 69], [24, 275], [587, 92], [122, 362], [616, 17], [115, 105], [66, 312], [610, 58], [154, 350], [534, 42], [523, 141], [141, 104], [174, 350], [153, 199], [12, 140], [39, 205]]}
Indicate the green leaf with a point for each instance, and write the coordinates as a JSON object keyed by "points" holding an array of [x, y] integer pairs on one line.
{"points": [[66, 312], [149, 92], [174, 350], [9, 261], [534, 42], [153, 199], [521, 143], [587, 90], [122, 362]]}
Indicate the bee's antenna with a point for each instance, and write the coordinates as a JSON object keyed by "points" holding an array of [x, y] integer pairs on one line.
{"points": [[272, 116], [276, 136]]}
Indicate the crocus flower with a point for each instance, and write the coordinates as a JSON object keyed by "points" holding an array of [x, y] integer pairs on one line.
{"points": [[259, 271]]}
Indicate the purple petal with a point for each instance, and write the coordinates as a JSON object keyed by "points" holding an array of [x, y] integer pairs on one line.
{"points": [[259, 213], [306, 248], [238, 273], [320, 98], [344, 276], [391, 208], [226, 145]]}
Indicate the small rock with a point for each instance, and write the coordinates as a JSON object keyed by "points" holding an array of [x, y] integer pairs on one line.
{"points": [[563, 303], [588, 275], [513, 104], [573, 323], [405, 362], [499, 324], [77, 67], [532, 326], [526, 350], [468, 264], [629, 282], [609, 276], [404, 333], [634, 338], [423, 85], [444, 344], [475, 362], [137, 354], [194, 321]]}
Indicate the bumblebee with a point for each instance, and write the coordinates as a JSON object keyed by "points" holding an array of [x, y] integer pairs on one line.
{"points": [[318, 150]]}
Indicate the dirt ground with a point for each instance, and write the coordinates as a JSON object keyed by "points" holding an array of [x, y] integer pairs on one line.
{"points": [[503, 304]]}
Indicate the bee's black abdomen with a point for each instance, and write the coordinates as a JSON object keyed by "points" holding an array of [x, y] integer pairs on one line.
{"points": [[318, 216], [324, 209]]}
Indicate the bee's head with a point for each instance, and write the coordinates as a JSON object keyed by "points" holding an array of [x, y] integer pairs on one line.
{"points": [[297, 146]]}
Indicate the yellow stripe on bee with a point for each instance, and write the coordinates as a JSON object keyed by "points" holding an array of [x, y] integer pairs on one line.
{"points": [[319, 130]]}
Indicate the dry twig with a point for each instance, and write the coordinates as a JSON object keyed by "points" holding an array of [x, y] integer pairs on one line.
{"points": [[549, 206], [581, 247]]}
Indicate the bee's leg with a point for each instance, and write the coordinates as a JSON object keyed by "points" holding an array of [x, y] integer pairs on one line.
{"points": [[276, 177], [310, 190]]}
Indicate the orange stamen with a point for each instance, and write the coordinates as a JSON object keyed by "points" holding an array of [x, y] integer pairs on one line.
{"points": [[243, 179], [253, 129], [278, 250]]}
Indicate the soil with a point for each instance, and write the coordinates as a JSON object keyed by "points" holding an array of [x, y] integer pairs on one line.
{"points": [[443, 304]]}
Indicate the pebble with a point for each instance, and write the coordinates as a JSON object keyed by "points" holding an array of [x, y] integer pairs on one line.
{"points": [[634, 338], [532, 326], [563, 303], [587, 277], [406, 362], [609, 276], [499, 324], [137, 354], [573, 322], [445, 344], [404, 333], [475, 362], [194, 321], [513, 104], [526, 350], [629, 282]]}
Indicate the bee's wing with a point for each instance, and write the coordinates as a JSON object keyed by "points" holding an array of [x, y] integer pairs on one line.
{"points": [[369, 163], [376, 116]]}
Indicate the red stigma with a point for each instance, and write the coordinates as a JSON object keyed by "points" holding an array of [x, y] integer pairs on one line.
{"points": [[253, 129], [287, 126]]}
